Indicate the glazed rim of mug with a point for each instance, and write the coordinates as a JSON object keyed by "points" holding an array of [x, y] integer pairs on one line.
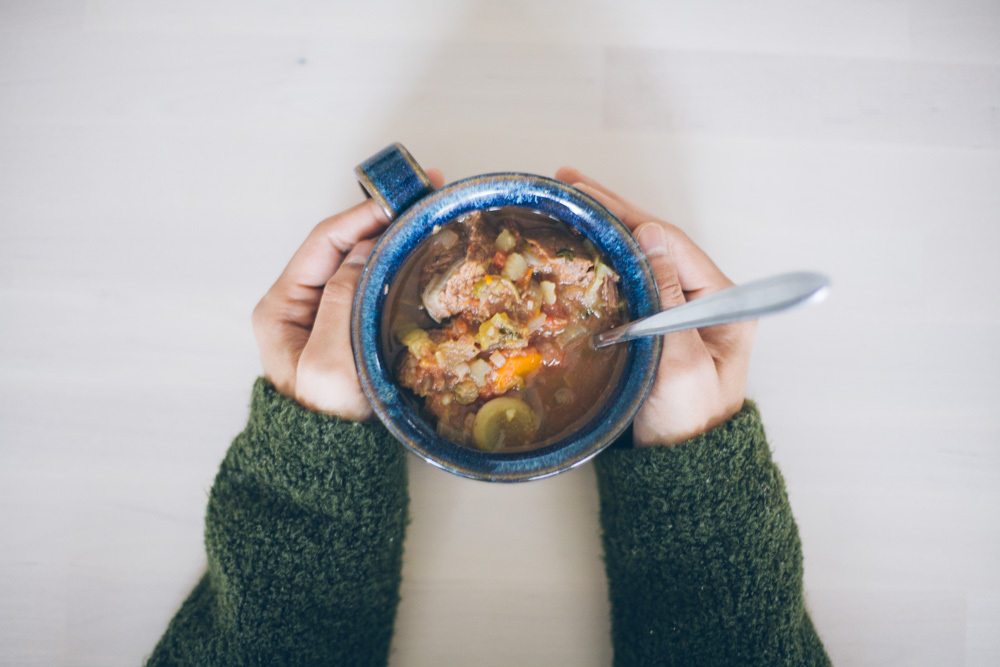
{"points": [[489, 191]]}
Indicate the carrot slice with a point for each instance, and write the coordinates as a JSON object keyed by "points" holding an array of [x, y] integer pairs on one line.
{"points": [[514, 369]]}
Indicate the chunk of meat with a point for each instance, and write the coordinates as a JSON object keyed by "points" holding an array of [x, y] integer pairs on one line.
{"points": [[609, 302], [563, 260], [447, 280]]}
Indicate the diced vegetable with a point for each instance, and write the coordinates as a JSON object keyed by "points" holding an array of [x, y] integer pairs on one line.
{"points": [[417, 340], [515, 267], [479, 289], [410, 333], [499, 331], [466, 392], [454, 352], [531, 295], [548, 292], [498, 359], [601, 271], [478, 369], [506, 241], [530, 255], [565, 253], [503, 421], [511, 287], [444, 239], [537, 322], [511, 373]]}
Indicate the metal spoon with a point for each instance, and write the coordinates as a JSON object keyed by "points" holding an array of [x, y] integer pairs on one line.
{"points": [[741, 302]]}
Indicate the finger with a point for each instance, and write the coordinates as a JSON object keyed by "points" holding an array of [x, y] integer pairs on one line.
{"points": [[698, 274], [577, 178], [729, 345], [572, 175], [280, 344], [437, 178], [283, 318], [326, 378], [632, 216], [697, 271], [321, 253], [288, 308], [655, 243]]}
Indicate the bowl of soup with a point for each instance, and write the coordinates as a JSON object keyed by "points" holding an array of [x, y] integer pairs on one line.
{"points": [[474, 317]]}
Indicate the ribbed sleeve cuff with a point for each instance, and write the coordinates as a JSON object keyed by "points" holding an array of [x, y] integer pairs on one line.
{"points": [[316, 458], [707, 468]]}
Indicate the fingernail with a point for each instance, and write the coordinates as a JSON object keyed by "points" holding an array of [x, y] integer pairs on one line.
{"points": [[652, 239], [358, 255]]}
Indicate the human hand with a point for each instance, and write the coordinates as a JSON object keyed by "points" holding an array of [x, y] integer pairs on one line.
{"points": [[701, 381], [303, 323]]}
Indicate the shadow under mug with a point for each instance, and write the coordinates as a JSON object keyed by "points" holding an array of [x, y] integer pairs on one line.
{"points": [[394, 179]]}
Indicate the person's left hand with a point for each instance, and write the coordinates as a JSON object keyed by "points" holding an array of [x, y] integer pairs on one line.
{"points": [[702, 378], [303, 323]]}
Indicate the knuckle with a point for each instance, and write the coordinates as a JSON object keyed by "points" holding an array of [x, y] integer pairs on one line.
{"points": [[736, 339], [674, 232], [258, 310], [260, 318], [669, 286], [338, 291]]}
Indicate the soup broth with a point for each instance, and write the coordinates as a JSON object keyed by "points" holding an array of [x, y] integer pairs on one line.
{"points": [[488, 328]]}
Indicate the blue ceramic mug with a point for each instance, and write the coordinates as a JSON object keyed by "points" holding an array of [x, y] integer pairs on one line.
{"points": [[394, 179]]}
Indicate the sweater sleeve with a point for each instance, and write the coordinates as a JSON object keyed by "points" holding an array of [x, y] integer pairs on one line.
{"points": [[703, 556], [304, 535]]}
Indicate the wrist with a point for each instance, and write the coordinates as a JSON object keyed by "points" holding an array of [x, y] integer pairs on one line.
{"points": [[656, 428]]}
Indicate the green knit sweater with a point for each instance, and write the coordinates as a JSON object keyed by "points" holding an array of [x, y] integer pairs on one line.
{"points": [[304, 533]]}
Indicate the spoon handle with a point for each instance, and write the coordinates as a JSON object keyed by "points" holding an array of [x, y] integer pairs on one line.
{"points": [[742, 302]]}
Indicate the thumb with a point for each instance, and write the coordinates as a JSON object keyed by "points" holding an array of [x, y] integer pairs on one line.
{"points": [[327, 379], [653, 240]]}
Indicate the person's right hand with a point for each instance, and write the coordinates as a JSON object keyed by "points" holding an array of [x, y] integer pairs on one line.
{"points": [[701, 381], [303, 323]]}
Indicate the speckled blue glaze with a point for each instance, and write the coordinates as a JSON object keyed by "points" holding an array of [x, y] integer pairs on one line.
{"points": [[552, 198], [394, 179]]}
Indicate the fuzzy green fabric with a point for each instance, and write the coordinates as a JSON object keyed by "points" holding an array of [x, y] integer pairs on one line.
{"points": [[304, 534], [703, 556]]}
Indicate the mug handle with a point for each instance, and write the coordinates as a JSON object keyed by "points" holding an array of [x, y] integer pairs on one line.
{"points": [[393, 179]]}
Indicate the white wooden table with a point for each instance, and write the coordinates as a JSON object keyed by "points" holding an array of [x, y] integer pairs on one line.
{"points": [[160, 162]]}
